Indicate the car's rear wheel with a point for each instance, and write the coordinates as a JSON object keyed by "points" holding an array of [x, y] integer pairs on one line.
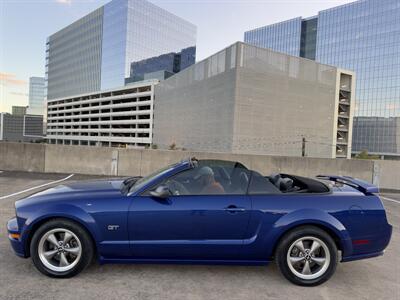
{"points": [[61, 248], [307, 256]]}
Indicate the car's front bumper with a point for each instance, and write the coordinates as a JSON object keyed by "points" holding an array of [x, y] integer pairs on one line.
{"points": [[16, 243]]}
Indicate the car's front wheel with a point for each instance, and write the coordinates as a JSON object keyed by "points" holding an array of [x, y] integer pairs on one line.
{"points": [[307, 256], [61, 248]]}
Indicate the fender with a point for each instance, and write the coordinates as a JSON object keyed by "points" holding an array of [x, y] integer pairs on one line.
{"points": [[309, 217], [67, 211]]}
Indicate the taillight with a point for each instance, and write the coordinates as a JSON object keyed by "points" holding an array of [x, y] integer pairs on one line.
{"points": [[361, 242]]}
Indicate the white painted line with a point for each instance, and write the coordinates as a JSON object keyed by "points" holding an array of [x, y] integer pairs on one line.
{"points": [[36, 187], [392, 200]]}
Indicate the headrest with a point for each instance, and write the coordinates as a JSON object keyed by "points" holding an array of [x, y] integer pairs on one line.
{"points": [[275, 177], [286, 184], [222, 172]]}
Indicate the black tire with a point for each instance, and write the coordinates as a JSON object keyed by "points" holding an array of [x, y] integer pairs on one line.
{"points": [[286, 245], [86, 245]]}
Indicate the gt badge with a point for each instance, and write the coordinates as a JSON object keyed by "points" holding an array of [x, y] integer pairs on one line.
{"points": [[112, 227]]}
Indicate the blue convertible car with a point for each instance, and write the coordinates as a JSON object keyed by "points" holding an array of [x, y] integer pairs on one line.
{"points": [[207, 211]]}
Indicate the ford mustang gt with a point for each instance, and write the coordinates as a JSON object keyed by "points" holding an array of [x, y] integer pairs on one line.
{"points": [[203, 212]]}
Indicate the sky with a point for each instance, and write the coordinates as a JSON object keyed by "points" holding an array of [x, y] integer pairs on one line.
{"points": [[25, 25]]}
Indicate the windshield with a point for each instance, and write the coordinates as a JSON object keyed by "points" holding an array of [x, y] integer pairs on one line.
{"points": [[147, 179]]}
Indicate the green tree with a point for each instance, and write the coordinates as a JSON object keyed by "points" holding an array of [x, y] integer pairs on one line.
{"points": [[364, 155]]}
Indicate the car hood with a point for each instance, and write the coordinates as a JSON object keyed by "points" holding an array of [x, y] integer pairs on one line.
{"points": [[75, 190]]}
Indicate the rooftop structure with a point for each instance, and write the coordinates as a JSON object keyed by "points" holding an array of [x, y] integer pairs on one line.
{"points": [[246, 99]]}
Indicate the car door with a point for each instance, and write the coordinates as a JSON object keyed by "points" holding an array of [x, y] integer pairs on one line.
{"points": [[193, 222], [268, 206]]}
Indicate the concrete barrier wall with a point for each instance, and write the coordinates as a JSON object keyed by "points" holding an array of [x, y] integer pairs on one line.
{"points": [[130, 162], [80, 159], [22, 157], [151, 160], [387, 174]]}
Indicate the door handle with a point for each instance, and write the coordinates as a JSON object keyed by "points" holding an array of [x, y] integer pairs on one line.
{"points": [[234, 209]]}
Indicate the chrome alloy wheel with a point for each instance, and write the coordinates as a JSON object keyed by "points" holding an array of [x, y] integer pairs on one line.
{"points": [[308, 257], [59, 249]]}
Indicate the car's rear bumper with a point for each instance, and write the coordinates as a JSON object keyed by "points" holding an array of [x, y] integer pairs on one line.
{"points": [[362, 256], [370, 246], [16, 243]]}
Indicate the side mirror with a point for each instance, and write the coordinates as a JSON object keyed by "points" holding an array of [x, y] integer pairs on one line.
{"points": [[161, 191]]}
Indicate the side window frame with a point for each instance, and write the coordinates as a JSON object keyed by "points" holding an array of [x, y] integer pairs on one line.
{"points": [[245, 193], [161, 181], [270, 193]]}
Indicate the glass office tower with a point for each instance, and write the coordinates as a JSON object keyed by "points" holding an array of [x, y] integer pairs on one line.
{"points": [[36, 96], [73, 57], [166, 65], [363, 36], [282, 37], [95, 52]]}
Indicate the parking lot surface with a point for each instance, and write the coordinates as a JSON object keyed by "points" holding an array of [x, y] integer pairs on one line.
{"points": [[377, 278]]}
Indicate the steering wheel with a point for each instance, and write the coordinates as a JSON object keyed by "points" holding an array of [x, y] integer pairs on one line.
{"points": [[177, 188]]}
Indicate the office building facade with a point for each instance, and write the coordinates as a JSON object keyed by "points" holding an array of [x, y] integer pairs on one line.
{"points": [[117, 117], [246, 99], [18, 110], [363, 36], [163, 66], [387, 131], [21, 128], [37, 96], [95, 52]]}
